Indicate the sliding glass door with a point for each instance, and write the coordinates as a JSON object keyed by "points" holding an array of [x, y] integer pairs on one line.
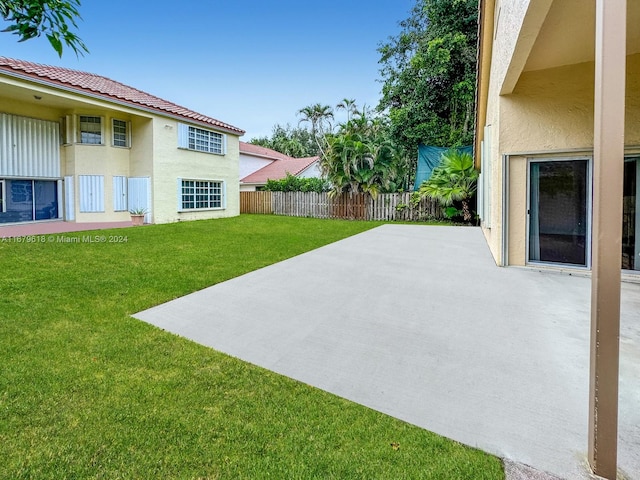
{"points": [[559, 212], [28, 200], [631, 215]]}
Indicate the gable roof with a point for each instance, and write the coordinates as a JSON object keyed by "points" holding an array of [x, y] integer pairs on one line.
{"points": [[278, 169], [102, 87], [262, 152]]}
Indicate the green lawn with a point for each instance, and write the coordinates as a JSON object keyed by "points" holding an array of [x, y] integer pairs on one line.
{"points": [[86, 391]]}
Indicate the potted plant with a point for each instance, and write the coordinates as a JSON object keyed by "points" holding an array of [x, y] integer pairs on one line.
{"points": [[137, 216]]}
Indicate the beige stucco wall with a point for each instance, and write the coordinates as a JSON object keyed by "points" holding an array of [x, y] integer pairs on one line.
{"points": [[171, 163], [98, 160], [549, 114], [106, 159]]}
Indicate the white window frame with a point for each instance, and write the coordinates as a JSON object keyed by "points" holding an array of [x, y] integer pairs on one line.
{"points": [[101, 123], [127, 133], [200, 139], [206, 185]]}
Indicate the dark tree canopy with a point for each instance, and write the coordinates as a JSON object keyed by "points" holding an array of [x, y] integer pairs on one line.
{"points": [[295, 142], [53, 18], [428, 73]]}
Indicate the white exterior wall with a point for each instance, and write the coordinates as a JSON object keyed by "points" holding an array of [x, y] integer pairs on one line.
{"points": [[250, 164], [312, 171]]}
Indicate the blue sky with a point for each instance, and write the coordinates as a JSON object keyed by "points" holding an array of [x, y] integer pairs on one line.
{"points": [[248, 63]]}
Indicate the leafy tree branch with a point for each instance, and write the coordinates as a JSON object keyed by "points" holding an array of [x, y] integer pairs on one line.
{"points": [[53, 18]]}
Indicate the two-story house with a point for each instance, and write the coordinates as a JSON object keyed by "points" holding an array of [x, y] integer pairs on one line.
{"points": [[80, 147]]}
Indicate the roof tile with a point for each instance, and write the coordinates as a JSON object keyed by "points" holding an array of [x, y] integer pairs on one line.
{"points": [[84, 82], [278, 169]]}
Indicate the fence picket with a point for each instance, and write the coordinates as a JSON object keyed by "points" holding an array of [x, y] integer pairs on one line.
{"points": [[385, 207]]}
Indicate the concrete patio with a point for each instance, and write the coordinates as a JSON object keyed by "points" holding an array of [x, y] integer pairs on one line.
{"points": [[418, 322]]}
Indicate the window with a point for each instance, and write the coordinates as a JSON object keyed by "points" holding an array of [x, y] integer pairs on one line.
{"points": [[201, 140], [28, 200], [90, 130], [200, 194], [120, 133]]}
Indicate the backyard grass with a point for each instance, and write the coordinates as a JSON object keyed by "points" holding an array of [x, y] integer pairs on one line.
{"points": [[87, 392]]}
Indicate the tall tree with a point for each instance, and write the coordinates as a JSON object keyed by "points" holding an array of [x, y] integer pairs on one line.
{"points": [[53, 18], [295, 142], [320, 117], [428, 74], [348, 105], [361, 157]]}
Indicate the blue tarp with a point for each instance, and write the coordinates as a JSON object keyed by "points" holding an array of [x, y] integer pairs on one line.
{"points": [[429, 158]]}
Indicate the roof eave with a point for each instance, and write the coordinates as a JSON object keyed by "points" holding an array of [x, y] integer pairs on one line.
{"points": [[126, 103]]}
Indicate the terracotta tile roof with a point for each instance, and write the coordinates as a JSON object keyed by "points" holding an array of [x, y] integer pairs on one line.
{"points": [[264, 152], [100, 86], [278, 169]]}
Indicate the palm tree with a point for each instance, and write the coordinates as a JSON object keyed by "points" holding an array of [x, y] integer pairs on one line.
{"points": [[320, 117], [454, 180], [361, 157], [349, 105]]}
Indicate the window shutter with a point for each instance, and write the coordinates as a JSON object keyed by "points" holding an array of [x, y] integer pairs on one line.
{"points": [[119, 194], [91, 193], [69, 129], [69, 199], [183, 135]]}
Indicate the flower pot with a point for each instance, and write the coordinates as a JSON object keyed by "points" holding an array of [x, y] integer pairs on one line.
{"points": [[137, 220]]}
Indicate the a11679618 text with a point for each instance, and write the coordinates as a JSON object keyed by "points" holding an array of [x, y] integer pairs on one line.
{"points": [[35, 239]]}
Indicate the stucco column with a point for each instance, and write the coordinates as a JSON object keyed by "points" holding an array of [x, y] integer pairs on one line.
{"points": [[608, 171]]}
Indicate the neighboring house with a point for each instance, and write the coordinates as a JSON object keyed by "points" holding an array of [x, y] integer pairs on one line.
{"points": [[259, 164], [81, 147], [535, 132]]}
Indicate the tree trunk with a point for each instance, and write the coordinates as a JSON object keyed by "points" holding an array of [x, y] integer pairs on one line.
{"points": [[466, 211]]}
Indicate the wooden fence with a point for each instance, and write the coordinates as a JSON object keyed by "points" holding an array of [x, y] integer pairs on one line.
{"points": [[255, 202], [388, 206]]}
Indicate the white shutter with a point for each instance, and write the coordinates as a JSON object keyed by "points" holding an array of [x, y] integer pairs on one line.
{"points": [[485, 162], [69, 199], [139, 195], [224, 195], [183, 135], [91, 193], [29, 147], [120, 203]]}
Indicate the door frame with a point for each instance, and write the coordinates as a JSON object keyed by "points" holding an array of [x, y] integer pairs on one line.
{"points": [[636, 158], [589, 213]]}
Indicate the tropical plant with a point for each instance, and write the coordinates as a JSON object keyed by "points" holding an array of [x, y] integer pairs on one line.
{"points": [[292, 183], [348, 105], [31, 18], [360, 157], [453, 181], [320, 117]]}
